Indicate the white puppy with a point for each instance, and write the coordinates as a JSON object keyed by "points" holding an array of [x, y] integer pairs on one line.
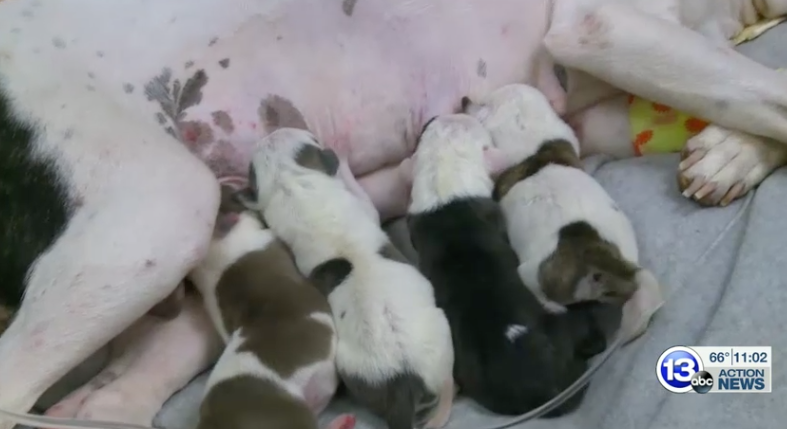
{"points": [[395, 353], [573, 242]]}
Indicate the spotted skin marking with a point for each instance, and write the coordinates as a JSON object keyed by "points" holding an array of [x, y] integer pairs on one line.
{"points": [[480, 69], [348, 7], [213, 41], [196, 132], [278, 112], [188, 65], [224, 63], [192, 90], [174, 99], [220, 159], [59, 43], [128, 88], [90, 88], [91, 75], [100, 54], [223, 120]]}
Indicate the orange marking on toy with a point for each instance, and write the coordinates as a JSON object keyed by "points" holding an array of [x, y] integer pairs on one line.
{"points": [[631, 99], [641, 140], [695, 125], [660, 107]]}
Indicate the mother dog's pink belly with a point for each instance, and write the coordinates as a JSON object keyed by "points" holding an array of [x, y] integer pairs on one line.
{"points": [[362, 75]]}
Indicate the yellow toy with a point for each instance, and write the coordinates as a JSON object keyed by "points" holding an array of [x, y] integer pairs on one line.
{"points": [[656, 128]]}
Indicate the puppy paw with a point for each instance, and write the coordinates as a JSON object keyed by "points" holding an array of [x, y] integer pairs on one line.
{"points": [[720, 165]]}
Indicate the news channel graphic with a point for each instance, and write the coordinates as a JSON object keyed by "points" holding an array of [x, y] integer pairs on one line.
{"points": [[716, 369]]}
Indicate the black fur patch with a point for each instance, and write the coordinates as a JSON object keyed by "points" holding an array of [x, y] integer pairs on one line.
{"points": [[312, 157], [330, 274], [34, 206], [403, 400], [463, 250]]}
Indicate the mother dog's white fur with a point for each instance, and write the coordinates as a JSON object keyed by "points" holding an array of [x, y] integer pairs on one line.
{"points": [[520, 120], [384, 311]]}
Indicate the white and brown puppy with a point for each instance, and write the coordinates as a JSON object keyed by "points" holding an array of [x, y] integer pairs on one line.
{"points": [[573, 242], [278, 368], [395, 353], [512, 356]]}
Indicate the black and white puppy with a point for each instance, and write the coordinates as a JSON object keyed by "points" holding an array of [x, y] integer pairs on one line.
{"points": [[572, 240], [511, 354], [394, 351]]}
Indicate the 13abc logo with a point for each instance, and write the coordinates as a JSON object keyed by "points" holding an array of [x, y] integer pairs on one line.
{"points": [[680, 370]]}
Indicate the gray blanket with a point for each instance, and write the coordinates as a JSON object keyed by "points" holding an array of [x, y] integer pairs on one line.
{"points": [[724, 269]]}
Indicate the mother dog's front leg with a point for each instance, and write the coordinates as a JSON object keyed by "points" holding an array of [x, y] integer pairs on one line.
{"points": [[146, 216], [658, 59]]}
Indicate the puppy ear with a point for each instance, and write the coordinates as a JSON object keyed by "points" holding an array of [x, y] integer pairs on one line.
{"points": [[314, 158], [470, 107], [467, 104], [330, 161]]}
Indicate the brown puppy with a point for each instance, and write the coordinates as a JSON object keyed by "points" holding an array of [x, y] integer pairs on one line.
{"points": [[278, 369]]}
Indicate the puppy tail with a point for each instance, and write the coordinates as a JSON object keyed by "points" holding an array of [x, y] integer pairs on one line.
{"points": [[410, 402]]}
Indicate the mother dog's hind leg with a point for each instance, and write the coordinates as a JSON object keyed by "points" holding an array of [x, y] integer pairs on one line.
{"points": [[650, 54], [156, 359], [146, 217]]}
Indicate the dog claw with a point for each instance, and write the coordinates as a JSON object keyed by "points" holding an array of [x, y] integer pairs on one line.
{"points": [[695, 186], [707, 189], [694, 157], [738, 190]]}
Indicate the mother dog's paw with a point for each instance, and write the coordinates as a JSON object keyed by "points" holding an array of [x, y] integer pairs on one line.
{"points": [[720, 165]]}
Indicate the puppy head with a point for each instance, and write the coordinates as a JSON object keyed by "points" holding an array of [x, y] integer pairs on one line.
{"points": [[452, 161], [519, 118], [450, 139], [287, 152]]}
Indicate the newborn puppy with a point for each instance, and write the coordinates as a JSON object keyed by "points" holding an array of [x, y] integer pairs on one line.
{"points": [[395, 354], [511, 355], [572, 240], [278, 368]]}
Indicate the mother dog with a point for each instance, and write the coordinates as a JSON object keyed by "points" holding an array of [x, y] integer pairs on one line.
{"points": [[116, 117]]}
